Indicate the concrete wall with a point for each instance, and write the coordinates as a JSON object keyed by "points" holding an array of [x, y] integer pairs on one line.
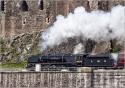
{"points": [[98, 79]]}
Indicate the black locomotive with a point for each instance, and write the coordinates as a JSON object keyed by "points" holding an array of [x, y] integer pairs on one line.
{"points": [[71, 60]]}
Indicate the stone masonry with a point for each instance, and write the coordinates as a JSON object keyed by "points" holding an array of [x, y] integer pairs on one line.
{"points": [[22, 22], [21, 16]]}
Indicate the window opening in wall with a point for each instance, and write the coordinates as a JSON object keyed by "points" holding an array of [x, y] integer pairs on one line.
{"points": [[24, 21], [41, 6], [87, 6], [2, 5], [103, 5], [24, 6], [47, 20]]}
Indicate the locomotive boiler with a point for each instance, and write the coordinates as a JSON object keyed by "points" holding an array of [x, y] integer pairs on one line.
{"points": [[75, 60]]}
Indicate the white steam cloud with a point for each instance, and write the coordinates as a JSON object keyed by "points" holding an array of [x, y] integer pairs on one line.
{"points": [[95, 25], [79, 49]]}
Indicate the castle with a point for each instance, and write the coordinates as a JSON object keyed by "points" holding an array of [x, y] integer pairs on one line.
{"points": [[21, 16]]}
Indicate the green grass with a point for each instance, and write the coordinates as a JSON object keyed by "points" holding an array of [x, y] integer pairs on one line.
{"points": [[14, 65]]}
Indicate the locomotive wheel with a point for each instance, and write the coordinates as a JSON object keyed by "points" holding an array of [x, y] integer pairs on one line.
{"points": [[53, 66], [45, 68]]}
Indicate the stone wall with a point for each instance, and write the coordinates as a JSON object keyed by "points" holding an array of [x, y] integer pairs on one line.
{"points": [[98, 79], [109, 79], [22, 28], [15, 20], [20, 47]]}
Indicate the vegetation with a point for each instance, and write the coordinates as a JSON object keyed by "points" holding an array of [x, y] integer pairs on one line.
{"points": [[14, 65], [115, 49]]}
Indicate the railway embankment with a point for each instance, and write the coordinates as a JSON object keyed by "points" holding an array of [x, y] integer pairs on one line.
{"points": [[91, 79]]}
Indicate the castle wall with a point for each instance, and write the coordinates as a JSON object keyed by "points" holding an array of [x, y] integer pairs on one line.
{"points": [[14, 21]]}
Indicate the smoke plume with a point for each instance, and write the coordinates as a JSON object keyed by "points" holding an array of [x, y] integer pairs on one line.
{"points": [[79, 49], [95, 25]]}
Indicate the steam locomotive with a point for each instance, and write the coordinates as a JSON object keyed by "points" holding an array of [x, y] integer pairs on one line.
{"points": [[76, 60]]}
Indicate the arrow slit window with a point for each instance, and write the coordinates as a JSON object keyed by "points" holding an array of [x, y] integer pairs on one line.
{"points": [[2, 5]]}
